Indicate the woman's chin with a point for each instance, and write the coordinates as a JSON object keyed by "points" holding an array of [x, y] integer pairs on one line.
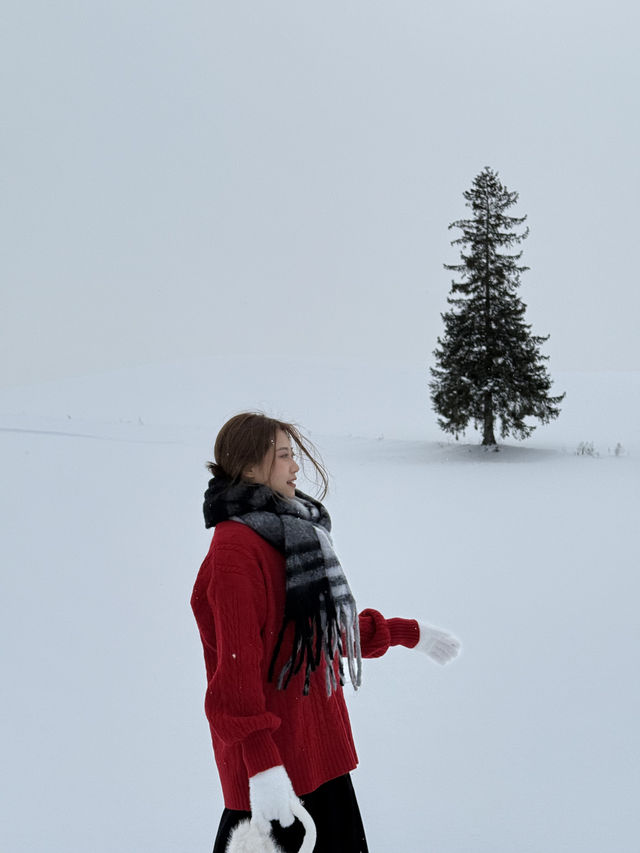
{"points": [[286, 492]]}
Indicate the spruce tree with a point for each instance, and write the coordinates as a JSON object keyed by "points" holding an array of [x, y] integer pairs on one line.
{"points": [[488, 364]]}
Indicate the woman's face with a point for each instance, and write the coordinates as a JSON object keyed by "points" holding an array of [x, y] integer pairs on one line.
{"points": [[278, 468]]}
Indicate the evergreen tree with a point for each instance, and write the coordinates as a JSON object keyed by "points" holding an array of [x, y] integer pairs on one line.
{"points": [[488, 364]]}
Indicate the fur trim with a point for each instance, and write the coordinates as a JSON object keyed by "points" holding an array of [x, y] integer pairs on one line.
{"points": [[246, 838]]}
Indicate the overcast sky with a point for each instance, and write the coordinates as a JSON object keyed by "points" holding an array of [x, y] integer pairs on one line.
{"points": [[184, 179]]}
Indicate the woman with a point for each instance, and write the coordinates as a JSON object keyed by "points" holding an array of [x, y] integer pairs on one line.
{"points": [[276, 618]]}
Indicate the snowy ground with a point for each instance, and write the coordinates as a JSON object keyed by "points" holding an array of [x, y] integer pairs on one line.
{"points": [[528, 743]]}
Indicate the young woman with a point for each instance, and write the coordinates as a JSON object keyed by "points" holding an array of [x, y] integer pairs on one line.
{"points": [[277, 621]]}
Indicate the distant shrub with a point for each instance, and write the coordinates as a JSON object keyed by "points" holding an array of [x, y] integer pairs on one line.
{"points": [[586, 448]]}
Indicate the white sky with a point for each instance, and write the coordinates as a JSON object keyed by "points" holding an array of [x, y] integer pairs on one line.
{"points": [[192, 178]]}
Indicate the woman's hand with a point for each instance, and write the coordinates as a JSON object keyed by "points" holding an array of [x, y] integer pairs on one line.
{"points": [[438, 645], [272, 797]]}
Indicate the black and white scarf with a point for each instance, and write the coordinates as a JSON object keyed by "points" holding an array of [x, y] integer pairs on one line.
{"points": [[318, 599]]}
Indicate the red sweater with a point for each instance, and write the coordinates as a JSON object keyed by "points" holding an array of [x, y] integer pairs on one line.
{"points": [[238, 601]]}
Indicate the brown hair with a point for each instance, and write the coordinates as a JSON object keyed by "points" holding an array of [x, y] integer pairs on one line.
{"points": [[246, 439]]}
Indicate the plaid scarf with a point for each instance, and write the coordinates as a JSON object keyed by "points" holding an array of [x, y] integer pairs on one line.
{"points": [[318, 602]]}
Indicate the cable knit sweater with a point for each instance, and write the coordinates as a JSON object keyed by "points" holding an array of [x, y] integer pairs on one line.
{"points": [[238, 602]]}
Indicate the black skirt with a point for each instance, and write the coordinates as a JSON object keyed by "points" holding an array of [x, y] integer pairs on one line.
{"points": [[334, 809]]}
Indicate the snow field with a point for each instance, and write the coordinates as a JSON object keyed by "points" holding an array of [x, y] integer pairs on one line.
{"points": [[527, 744]]}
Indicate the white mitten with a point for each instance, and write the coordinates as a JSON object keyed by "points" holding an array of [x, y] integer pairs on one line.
{"points": [[440, 646], [272, 797]]}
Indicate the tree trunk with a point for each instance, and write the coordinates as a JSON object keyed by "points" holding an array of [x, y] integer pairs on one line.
{"points": [[488, 438]]}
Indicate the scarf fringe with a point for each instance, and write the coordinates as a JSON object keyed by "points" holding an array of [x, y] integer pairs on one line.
{"points": [[339, 636]]}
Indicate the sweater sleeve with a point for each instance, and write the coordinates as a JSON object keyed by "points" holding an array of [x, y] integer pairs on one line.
{"points": [[377, 634], [235, 703]]}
